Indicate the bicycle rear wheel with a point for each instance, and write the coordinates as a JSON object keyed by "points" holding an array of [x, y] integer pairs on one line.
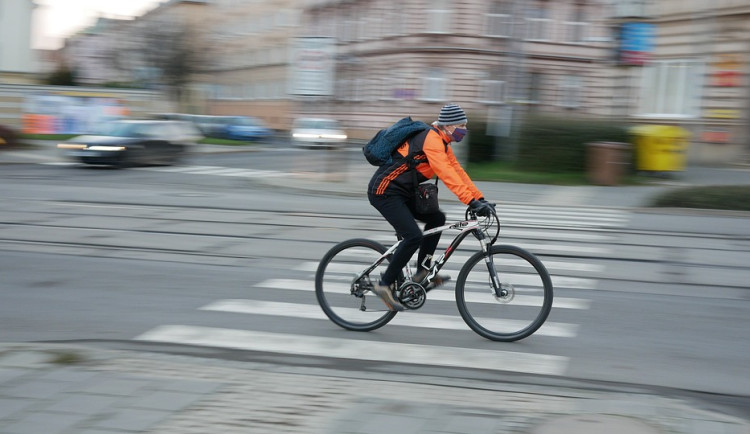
{"points": [[520, 312], [347, 300]]}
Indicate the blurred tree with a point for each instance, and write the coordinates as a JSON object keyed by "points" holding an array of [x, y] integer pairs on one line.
{"points": [[167, 56], [62, 76]]}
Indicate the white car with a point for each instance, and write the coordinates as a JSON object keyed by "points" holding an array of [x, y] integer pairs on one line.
{"points": [[314, 132]]}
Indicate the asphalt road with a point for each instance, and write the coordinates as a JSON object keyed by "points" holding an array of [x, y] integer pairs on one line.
{"points": [[160, 257]]}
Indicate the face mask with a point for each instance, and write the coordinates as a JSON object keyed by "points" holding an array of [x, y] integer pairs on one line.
{"points": [[458, 134]]}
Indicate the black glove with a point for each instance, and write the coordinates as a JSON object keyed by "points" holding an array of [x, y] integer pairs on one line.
{"points": [[481, 199], [480, 208]]}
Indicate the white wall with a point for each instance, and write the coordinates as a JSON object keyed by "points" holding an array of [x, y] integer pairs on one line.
{"points": [[16, 54]]}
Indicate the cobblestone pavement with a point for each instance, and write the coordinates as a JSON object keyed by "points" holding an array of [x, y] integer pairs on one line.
{"points": [[62, 389]]}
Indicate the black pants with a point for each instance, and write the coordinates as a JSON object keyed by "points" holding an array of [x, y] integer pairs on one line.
{"points": [[400, 213]]}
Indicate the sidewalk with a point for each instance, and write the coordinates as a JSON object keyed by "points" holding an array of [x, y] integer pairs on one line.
{"points": [[352, 181], [90, 390]]}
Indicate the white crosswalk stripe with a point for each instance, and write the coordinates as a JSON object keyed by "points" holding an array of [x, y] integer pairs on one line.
{"points": [[541, 216], [197, 170], [217, 171], [411, 319], [360, 350], [532, 247], [435, 294]]}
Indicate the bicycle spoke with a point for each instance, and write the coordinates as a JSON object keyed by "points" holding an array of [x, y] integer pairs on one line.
{"points": [[346, 300], [518, 313]]}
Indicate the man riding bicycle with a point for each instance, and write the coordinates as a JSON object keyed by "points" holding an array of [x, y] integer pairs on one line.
{"points": [[391, 192]]}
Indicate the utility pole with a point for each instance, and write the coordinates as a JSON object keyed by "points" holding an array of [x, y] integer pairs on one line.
{"points": [[516, 78]]}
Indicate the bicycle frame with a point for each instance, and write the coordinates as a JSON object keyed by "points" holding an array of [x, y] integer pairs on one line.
{"points": [[465, 227]]}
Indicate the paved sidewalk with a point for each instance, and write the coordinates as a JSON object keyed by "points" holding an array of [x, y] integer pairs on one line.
{"points": [[49, 389]]}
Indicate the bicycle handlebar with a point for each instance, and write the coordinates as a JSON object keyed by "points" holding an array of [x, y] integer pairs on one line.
{"points": [[486, 224]]}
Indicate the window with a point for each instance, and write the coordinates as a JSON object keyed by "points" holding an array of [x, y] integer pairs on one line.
{"points": [[344, 28], [631, 8], [537, 21], [671, 88], [398, 87], [434, 85], [349, 87], [570, 91], [534, 87], [575, 28], [499, 19], [359, 88], [394, 23], [438, 17], [492, 88]]}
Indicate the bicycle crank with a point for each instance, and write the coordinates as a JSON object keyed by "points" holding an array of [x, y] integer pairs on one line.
{"points": [[412, 295]]}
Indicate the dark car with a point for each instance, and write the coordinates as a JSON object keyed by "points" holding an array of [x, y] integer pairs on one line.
{"points": [[134, 142], [8, 137]]}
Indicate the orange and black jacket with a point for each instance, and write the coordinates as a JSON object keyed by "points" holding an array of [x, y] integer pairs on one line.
{"points": [[432, 155]]}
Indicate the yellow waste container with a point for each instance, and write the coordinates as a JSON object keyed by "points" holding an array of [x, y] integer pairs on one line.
{"points": [[660, 148]]}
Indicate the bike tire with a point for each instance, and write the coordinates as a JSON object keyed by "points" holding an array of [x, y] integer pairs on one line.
{"points": [[516, 316], [334, 285]]}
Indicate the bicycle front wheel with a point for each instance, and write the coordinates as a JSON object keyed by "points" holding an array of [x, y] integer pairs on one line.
{"points": [[345, 297], [526, 300]]}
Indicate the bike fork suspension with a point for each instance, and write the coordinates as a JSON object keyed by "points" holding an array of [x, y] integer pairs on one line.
{"points": [[497, 287]]}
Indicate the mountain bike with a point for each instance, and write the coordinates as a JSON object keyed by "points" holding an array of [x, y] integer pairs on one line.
{"points": [[503, 292]]}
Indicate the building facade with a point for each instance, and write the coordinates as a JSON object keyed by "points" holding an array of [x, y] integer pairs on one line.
{"points": [[696, 77], [498, 59], [367, 63], [250, 72]]}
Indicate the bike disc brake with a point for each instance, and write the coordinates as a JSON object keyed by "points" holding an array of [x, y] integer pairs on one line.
{"points": [[508, 292]]}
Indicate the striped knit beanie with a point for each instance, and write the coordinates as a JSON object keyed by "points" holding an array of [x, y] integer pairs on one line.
{"points": [[451, 114]]}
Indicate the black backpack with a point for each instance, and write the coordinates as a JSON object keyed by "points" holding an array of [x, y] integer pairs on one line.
{"points": [[379, 149]]}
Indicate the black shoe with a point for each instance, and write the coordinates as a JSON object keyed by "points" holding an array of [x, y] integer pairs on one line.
{"points": [[436, 281]]}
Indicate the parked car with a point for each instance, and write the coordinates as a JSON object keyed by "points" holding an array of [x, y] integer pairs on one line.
{"points": [[245, 128], [314, 132], [225, 127], [208, 126], [133, 142]]}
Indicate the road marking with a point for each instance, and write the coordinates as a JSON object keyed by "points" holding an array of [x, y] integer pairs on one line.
{"points": [[406, 319], [524, 279], [531, 247], [457, 260], [217, 171], [551, 216], [60, 163], [197, 170], [441, 295], [569, 236], [496, 360]]}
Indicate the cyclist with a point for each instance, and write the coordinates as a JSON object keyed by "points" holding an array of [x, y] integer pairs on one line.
{"points": [[391, 192]]}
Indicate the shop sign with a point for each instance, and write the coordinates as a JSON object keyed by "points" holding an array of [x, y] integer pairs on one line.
{"points": [[727, 70], [636, 43]]}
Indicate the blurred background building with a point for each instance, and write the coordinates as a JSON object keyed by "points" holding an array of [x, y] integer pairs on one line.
{"points": [[369, 62]]}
